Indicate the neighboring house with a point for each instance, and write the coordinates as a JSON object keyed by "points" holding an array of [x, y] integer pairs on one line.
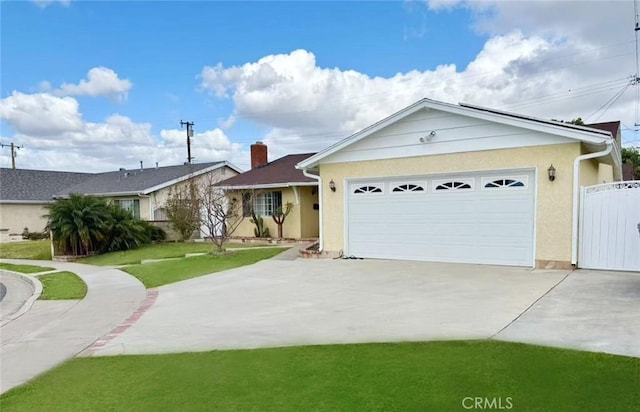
{"points": [[25, 193], [628, 171], [143, 191], [269, 185], [461, 183]]}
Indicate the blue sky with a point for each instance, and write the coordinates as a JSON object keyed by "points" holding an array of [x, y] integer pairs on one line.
{"points": [[355, 63]]}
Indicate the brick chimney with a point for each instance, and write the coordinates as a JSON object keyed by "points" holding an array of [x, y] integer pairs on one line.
{"points": [[258, 154]]}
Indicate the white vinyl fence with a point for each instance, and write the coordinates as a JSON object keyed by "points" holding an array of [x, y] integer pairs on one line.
{"points": [[610, 226]]}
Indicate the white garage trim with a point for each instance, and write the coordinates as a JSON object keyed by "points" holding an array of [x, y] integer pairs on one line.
{"points": [[505, 210]]}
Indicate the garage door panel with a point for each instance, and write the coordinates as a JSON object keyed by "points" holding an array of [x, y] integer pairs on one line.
{"points": [[475, 225]]}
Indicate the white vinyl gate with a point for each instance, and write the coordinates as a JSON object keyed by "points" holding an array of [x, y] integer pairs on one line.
{"points": [[610, 226]]}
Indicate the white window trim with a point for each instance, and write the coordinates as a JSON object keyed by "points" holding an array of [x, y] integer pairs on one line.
{"points": [[133, 200]]}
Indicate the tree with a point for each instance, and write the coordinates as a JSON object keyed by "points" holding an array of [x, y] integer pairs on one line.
{"points": [[577, 121], [78, 223], [221, 212], [630, 155], [201, 204], [280, 215], [183, 209]]}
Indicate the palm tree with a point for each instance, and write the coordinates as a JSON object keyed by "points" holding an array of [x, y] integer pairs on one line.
{"points": [[124, 231], [78, 223]]}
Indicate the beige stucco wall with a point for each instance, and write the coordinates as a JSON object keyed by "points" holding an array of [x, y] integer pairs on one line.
{"points": [[554, 199], [16, 217], [605, 173], [308, 216]]}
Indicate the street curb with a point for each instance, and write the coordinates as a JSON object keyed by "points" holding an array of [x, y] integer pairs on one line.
{"points": [[35, 284]]}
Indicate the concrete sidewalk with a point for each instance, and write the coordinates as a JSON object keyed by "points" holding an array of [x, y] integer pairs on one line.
{"points": [[53, 332], [17, 293]]}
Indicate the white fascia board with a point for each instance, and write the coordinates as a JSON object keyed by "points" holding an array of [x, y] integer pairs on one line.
{"points": [[268, 186], [578, 133], [233, 167], [25, 202], [582, 133], [189, 176]]}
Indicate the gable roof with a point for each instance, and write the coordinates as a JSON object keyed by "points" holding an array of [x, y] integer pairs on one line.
{"points": [[38, 186], [592, 136], [278, 173], [133, 182], [35, 186]]}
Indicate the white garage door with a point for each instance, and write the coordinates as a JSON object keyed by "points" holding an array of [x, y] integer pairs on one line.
{"points": [[478, 218]]}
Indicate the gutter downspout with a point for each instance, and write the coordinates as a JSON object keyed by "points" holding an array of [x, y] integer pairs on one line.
{"points": [[576, 195], [319, 179]]}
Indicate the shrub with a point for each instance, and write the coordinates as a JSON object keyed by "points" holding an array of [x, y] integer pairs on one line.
{"points": [[123, 230], [156, 233], [38, 235]]}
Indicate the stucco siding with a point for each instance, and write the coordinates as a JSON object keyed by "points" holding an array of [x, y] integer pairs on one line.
{"points": [[554, 199], [605, 173], [308, 215], [16, 217], [589, 172]]}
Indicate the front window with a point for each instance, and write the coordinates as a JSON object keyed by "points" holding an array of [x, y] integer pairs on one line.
{"points": [[264, 204], [132, 205]]}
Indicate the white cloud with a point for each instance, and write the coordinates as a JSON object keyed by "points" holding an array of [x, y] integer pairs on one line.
{"points": [[41, 114], [55, 136], [566, 61], [100, 81]]}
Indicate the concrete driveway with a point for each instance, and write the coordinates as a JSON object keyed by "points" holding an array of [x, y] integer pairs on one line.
{"points": [[279, 303], [590, 310]]}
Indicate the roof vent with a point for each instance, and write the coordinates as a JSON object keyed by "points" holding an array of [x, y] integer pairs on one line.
{"points": [[122, 169]]}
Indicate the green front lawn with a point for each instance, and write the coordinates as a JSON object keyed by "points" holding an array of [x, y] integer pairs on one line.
{"points": [[161, 273], [62, 285], [432, 376], [155, 251], [24, 268], [30, 249]]}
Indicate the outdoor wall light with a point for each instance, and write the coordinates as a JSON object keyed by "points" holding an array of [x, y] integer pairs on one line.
{"points": [[332, 185], [552, 173]]}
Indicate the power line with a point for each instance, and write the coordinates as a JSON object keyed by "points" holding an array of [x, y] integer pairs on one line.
{"points": [[609, 102]]}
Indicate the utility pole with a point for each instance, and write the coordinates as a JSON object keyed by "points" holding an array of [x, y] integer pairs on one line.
{"points": [[13, 152], [189, 136]]}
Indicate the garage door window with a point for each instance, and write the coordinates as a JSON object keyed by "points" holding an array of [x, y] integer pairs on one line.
{"points": [[513, 183], [408, 187], [368, 189], [453, 185]]}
